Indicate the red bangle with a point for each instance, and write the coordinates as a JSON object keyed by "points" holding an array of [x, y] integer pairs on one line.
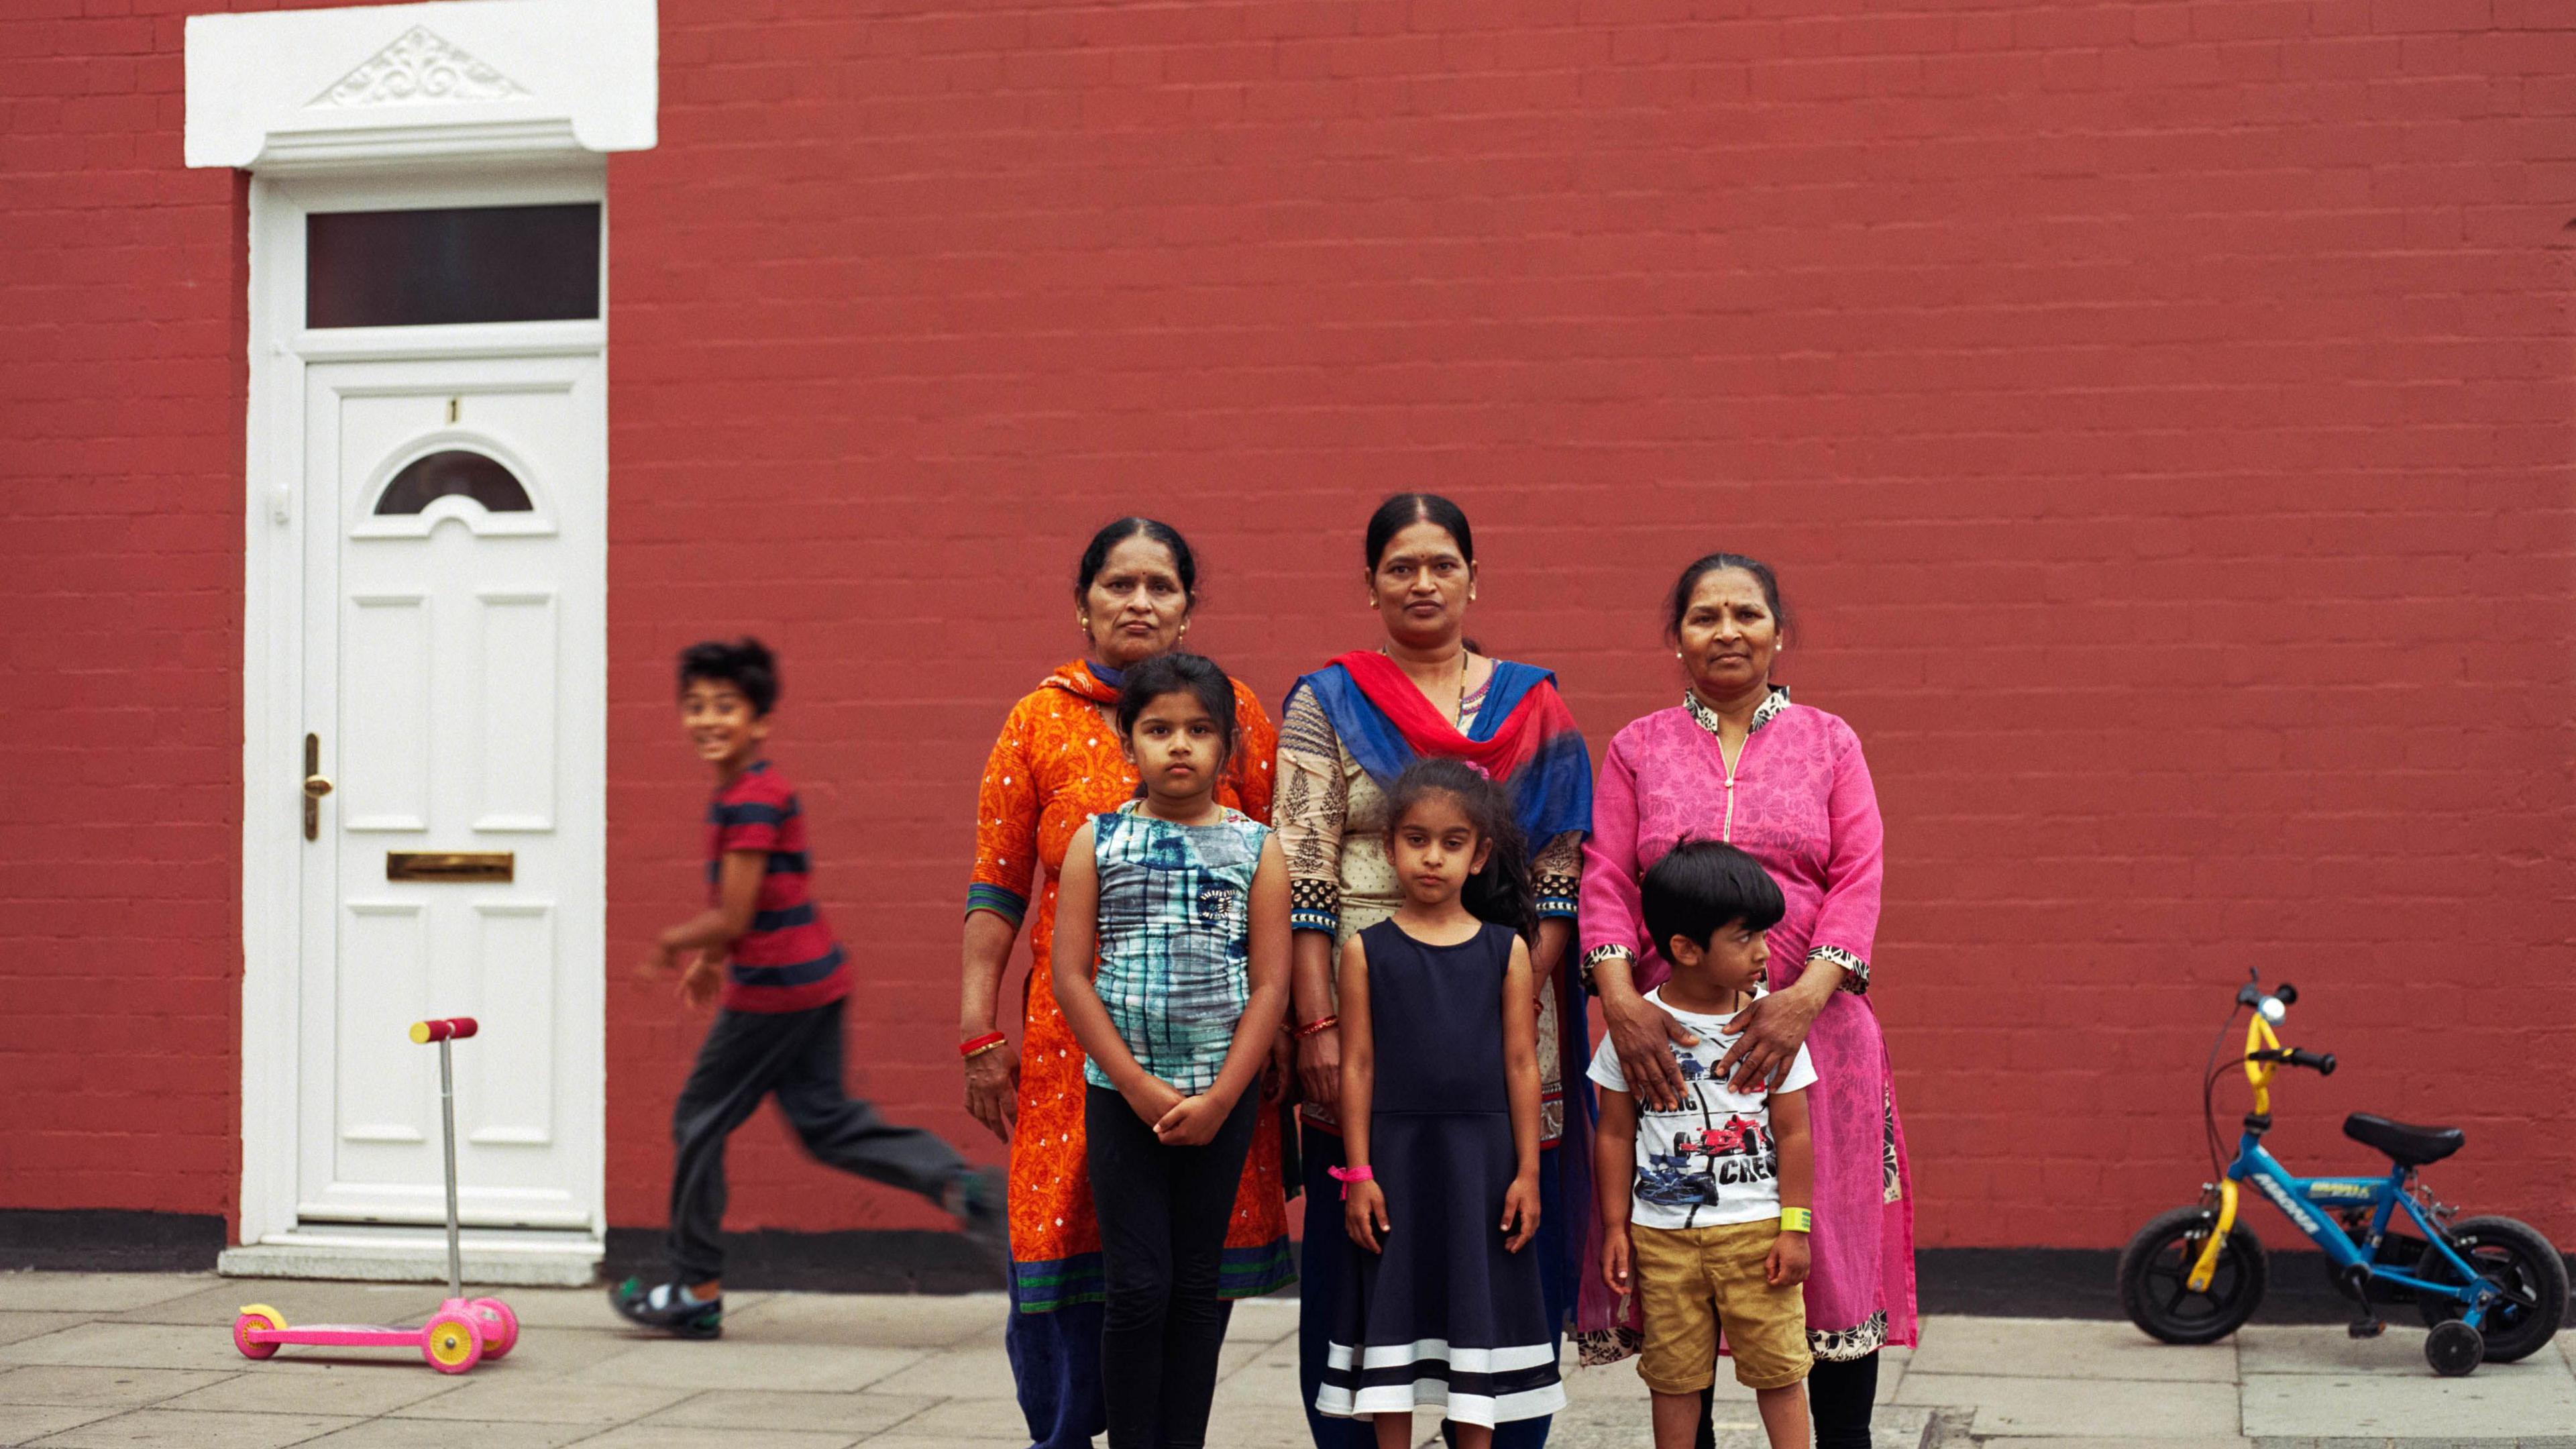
{"points": [[984, 1043], [1318, 1026]]}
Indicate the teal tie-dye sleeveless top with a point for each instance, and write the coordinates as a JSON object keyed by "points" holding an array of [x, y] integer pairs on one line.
{"points": [[1175, 939]]}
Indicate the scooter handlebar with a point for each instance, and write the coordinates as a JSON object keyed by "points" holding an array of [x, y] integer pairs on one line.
{"points": [[2323, 1062], [442, 1029]]}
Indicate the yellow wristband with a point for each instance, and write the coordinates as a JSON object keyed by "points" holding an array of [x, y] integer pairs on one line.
{"points": [[1797, 1220]]}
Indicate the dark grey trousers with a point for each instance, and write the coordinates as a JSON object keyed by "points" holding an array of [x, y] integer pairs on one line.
{"points": [[796, 1054]]}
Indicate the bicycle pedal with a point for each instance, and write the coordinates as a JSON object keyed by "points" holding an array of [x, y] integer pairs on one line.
{"points": [[2366, 1327]]}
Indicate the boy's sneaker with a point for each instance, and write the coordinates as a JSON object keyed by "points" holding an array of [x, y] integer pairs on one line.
{"points": [[665, 1306], [980, 1201]]}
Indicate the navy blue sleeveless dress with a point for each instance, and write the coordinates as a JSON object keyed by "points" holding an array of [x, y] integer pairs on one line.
{"points": [[1444, 1318]]}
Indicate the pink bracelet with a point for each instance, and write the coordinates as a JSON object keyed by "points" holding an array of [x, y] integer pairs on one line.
{"points": [[1348, 1175]]}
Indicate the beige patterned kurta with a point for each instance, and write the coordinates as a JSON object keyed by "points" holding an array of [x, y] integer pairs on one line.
{"points": [[1331, 819]]}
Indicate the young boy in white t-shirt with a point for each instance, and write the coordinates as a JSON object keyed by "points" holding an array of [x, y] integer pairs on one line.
{"points": [[1709, 1204]]}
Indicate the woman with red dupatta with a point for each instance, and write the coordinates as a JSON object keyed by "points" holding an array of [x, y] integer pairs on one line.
{"points": [[1057, 764], [1346, 732]]}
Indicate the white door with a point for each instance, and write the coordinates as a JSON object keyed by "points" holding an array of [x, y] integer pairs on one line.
{"points": [[453, 638]]}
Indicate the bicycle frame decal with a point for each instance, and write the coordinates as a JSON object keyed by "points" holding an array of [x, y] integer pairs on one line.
{"points": [[2298, 1199]]}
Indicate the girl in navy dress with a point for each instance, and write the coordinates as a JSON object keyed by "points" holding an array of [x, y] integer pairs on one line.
{"points": [[1439, 1018]]}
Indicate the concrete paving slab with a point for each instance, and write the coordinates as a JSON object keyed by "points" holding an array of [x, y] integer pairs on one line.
{"points": [[2061, 1348], [555, 1353], [833, 1318], [866, 1413], [360, 1390], [2229, 1441], [16, 1326], [162, 1428], [2035, 1407], [971, 1419], [96, 1293], [1261, 1320], [647, 1436], [2304, 1348], [131, 1345], [980, 1371], [106, 1388], [451, 1434], [2494, 1403], [503, 1399], [303, 1302], [588, 1307], [674, 1364], [27, 1423]]}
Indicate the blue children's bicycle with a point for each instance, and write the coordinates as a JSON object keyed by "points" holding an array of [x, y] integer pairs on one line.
{"points": [[2491, 1289]]}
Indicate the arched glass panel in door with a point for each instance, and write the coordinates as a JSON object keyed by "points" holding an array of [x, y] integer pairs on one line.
{"points": [[449, 472]]}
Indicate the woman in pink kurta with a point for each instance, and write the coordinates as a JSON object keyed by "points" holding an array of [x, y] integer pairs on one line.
{"points": [[1737, 762]]}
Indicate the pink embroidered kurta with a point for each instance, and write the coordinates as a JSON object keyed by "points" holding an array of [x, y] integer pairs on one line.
{"points": [[1800, 801]]}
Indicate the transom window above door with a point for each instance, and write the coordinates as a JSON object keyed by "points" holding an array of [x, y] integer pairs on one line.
{"points": [[447, 265]]}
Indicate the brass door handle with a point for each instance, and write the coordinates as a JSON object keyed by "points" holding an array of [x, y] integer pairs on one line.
{"points": [[315, 787]]}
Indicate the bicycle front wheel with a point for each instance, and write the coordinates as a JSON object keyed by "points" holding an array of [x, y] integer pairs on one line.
{"points": [[2155, 1272]]}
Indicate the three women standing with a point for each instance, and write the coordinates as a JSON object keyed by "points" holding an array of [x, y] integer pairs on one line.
{"points": [[1058, 763], [1737, 762]]}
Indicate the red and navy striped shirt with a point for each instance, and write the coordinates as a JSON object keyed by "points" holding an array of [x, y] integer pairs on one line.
{"points": [[788, 960]]}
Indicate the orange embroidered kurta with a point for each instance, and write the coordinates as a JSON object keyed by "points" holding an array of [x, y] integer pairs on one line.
{"points": [[1057, 764]]}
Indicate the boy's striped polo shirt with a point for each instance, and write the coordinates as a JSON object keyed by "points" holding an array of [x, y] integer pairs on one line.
{"points": [[788, 960]]}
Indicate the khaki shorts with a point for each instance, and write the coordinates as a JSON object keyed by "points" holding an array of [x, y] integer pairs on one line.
{"points": [[1691, 1282]]}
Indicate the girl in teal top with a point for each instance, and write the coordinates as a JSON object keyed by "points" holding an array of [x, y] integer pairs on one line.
{"points": [[1185, 904]]}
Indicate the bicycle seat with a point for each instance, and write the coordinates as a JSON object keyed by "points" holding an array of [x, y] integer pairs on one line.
{"points": [[2403, 1141]]}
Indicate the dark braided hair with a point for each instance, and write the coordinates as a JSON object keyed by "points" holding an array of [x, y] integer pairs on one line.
{"points": [[1501, 892]]}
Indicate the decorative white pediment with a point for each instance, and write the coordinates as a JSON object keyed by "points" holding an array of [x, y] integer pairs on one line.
{"points": [[419, 67], [285, 90]]}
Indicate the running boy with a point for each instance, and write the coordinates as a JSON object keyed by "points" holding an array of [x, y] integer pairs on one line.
{"points": [[778, 1022], [1716, 1233]]}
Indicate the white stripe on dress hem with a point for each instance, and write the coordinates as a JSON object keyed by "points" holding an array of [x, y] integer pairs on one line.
{"points": [[1463, 1360], [1431, 1394]]}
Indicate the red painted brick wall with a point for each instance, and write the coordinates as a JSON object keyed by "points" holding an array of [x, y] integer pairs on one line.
{"points": [[123, 289], [2160, 414]]}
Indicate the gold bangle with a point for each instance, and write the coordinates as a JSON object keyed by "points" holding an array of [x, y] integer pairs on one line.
{"points": [[1797, 1220], [986, 1050]]}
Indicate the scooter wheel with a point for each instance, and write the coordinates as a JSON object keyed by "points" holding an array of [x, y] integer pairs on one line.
{"points": [[500, 1326], [257, 1316], [452, 1343], [2454, 1349]]}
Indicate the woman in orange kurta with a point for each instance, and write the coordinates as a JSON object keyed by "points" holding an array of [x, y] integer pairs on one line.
{"points": [[1058, 763]]}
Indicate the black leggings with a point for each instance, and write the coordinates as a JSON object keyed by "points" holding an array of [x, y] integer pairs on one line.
{"points": [[1839, 1395], [1163, 1217]]}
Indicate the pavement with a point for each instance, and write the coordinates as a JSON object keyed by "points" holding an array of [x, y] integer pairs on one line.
{"points": [[91, 1360]]}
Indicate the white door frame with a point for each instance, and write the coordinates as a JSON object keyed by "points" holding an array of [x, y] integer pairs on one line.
{"points": [[276, 715]]}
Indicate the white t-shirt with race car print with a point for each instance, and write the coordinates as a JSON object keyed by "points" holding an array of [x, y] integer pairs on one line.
{"points": [[1713, 1161]]}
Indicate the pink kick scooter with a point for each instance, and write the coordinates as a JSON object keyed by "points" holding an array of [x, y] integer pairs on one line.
{"points": [[463, 1332]]}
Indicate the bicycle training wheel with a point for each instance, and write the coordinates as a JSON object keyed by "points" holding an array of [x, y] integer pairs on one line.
{"points": [[2515, 1258], [2156, 1266]]}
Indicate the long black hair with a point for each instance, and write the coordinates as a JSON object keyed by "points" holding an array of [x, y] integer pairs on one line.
{"points": [[1404, 510], [1095, 556], [1501, 892], [1179, 673]]}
